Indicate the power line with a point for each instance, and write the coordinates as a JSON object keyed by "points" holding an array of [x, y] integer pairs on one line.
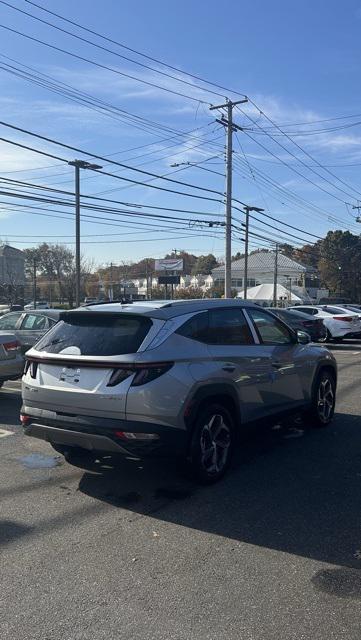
{"points": [[191, 75], [98, 46], [101, 66], [308, 154], [112, 201], [70, 92], [93, 155], [106, 173], [288, 194], [283, 223], [299, 159]]}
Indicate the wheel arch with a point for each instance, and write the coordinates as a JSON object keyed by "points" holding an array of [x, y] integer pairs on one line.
{"points": [[218, 393], [324, 367]]}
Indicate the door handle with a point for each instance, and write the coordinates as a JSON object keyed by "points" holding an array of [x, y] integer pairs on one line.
{"points": [[229, 367]]}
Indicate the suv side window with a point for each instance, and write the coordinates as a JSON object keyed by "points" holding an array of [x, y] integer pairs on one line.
{"points": [[196, 328], [270, 329], [218, 326], [228, 327], [9, 321]]}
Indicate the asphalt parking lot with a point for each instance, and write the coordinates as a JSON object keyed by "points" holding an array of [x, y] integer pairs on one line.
{"points": [[273, 552]]}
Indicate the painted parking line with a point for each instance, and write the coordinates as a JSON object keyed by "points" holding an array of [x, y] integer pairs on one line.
{"points": [[17, 389], [4, 433]]}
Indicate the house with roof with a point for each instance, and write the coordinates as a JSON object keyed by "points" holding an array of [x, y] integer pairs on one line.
{"points": [[300, 280]]}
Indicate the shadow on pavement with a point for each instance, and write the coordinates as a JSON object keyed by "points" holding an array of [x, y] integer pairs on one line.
{"points": [[10, 531], [344, 345], [10, 400], [290, 490]]}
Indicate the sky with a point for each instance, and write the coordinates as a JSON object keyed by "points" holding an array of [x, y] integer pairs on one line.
{"points": [[298, 63]]}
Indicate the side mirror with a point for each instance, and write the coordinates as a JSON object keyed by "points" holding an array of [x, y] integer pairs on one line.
{"points": [[303, 337]]}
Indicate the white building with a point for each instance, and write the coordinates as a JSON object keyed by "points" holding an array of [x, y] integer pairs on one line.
{"points": [[301, 280], [12, 266]]}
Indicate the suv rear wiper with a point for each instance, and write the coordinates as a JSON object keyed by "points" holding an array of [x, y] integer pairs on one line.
{"points": [[55, 341]]}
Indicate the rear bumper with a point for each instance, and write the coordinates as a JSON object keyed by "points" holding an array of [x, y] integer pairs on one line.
{"points": [[99, 434]]}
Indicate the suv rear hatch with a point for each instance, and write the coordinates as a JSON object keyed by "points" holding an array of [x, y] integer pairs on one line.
{"points": [[72, 369]]}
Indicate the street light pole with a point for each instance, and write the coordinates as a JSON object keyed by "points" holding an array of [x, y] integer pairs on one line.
{"points": [[34, 282], [79, 164]]}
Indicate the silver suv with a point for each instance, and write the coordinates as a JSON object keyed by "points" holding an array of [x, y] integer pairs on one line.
{"points": [[180, 377]]}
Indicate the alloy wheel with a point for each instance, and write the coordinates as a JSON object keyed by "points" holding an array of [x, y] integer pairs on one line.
{"points": [[325, 400], [215, 440]]}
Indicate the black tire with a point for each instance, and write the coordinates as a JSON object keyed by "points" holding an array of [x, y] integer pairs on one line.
{"points": [[323, 400], [327, 338], [212, 444]]}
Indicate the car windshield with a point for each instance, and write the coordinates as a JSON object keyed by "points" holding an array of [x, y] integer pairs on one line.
{"points": [[96, 334]]}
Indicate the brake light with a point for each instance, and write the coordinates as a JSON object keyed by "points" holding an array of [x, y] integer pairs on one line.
{"points": [[343, 318], [143, 373], [14, 345], [24, 419]]}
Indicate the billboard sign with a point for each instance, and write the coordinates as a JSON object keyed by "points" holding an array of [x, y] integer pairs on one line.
{"points": [[169, 264]]}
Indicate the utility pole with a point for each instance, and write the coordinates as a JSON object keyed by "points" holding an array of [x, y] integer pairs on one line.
{"points": [[230, 127], [245, 283], [275, 277], [34, 282], [79, 164], [111, 283], [358, 209]]}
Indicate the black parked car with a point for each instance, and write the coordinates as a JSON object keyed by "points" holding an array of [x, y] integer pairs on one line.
{"points": [[302, 321]]}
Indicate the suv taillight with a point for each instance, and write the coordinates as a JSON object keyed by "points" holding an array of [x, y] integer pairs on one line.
{"points": [[143, 373], [344, 318]]}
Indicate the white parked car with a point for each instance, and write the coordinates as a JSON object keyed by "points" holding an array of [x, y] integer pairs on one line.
{"points": [[339, 322], [40, 304]]}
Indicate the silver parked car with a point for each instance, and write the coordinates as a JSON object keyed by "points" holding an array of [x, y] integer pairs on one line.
{"points": [[180, 377], [29, 326], [11, 360]]}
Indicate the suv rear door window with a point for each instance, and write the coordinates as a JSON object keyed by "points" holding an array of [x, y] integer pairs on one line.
{"points": [[96, 334], [228, 326]]}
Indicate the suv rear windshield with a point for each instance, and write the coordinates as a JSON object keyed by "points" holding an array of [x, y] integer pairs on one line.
{"points": [[94, 334]]}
